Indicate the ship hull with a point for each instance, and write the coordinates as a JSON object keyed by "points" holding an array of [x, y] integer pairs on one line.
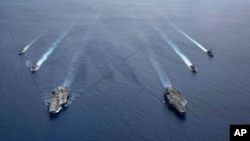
{"points": [[175, 100], [59, 99]]}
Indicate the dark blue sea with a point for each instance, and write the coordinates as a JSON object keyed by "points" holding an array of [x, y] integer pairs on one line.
{"points": [[117, 56]]}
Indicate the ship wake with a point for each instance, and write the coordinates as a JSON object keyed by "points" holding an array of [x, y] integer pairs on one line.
{"points": [[28, 63], [51, 49], [165, 81], [189, 38], [74, 68], [33, 41], [176, 49]]}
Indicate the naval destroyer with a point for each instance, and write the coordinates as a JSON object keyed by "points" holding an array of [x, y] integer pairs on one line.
{"points": [[193, 68], [35, 68], [210, 53], [58, 99], [22, 50], [175, 99]]}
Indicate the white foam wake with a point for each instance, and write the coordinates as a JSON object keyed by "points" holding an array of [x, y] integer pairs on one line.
{"points": [[33, 41], [71, 75], [165, 81], [176, 49], [189, 38], [51, 49]]}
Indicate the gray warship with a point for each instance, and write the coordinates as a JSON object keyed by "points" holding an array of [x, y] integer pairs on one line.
{"points": [[35, 68], [193, 68], [175, 99], [59, 99], [22, 50], [210, 53]]}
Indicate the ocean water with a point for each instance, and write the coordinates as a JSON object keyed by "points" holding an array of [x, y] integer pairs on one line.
{"points": [[103, 50]]}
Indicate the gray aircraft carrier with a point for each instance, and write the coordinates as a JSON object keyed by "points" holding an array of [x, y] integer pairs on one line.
{"points": [[176, 99], [59, 99]]}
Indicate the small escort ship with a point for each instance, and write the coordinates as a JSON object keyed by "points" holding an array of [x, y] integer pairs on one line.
{"points": [[210, 53], [193, 68]]}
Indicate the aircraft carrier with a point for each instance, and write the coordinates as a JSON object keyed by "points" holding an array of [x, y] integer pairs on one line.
{"points": [[59, 99], [175, 99]]}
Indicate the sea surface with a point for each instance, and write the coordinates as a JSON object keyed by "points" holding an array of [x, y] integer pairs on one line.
{"points": [[117, 56]]}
